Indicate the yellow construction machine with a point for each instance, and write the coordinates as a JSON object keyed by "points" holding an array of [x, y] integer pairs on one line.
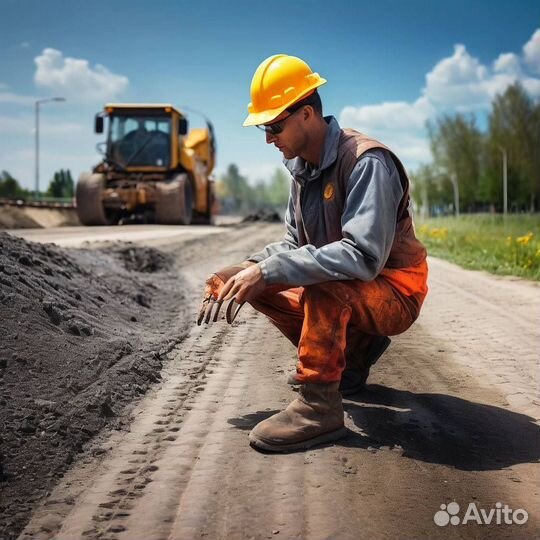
{"points": [[153, 170]]}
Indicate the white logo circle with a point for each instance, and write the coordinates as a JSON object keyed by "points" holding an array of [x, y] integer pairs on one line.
{"points": [[452, 508], [442, 516]]}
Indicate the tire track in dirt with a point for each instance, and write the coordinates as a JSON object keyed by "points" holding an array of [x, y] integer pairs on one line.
{"points": [[431, 428], [109, 499]]}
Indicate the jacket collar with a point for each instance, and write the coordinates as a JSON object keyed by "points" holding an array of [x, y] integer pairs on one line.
{"points": [[304, 172]]}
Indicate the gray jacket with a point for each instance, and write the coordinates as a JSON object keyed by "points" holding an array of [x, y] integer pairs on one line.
{"points": [[368, 221]]}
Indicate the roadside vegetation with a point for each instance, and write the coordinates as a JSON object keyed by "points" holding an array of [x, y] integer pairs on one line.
{"points": [[506, 246], [467, 171], [460, 196], [238, 196], [61, 186]]}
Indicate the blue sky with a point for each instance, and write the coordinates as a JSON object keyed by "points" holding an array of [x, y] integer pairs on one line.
{"points": [[390, 66]]}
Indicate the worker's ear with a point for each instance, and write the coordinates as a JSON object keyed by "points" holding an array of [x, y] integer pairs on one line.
{"points": [[308, 112]]}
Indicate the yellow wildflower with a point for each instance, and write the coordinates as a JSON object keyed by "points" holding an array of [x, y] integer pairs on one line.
{"points": [[441, 233], [525, 239]]}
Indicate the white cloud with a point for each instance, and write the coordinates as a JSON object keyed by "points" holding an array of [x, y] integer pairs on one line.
{"points": [[456, 80], [15, 99], [399, 125], [458, 83], [531, 52], [507, 63], [75, 79], [462, 83]]}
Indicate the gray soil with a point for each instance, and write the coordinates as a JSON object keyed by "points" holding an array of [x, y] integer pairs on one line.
{"points": [[83, 334]]}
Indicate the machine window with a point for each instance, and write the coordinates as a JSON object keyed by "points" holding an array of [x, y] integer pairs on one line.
{"points": [[140, 140]]}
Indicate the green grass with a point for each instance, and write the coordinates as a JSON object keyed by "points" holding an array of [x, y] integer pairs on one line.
{"points": [[488, 242]]}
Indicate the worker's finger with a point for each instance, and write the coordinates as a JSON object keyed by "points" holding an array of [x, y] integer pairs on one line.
{"points": [[202, 309], [216, 311], [235, 289], [226, 288], [200, 318], [232, 310], [208, 312]]}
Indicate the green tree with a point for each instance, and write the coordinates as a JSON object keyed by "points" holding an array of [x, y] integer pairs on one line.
{"points": [[457, 146], [10, 187], [61, 185], [238, 192], [278, 189], [260, 194], [514, 125], [431, 191]]}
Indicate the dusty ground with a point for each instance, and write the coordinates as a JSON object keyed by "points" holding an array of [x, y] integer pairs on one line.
{"points": [[451, 414]]}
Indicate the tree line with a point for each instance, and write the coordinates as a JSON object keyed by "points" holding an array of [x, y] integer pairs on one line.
{"points": [[470, 162], [61, 186], [236, 195]]}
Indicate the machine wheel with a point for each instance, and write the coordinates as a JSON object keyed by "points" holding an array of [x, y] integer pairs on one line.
{"points": [[174, 201], [207, 218], [88, 196]]}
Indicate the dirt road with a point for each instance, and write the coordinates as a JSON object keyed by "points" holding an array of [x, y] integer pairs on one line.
{"points": [[451, 415]]}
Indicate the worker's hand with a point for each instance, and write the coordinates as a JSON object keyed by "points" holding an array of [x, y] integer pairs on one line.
{"points": [[213, 286], [243, 286]]}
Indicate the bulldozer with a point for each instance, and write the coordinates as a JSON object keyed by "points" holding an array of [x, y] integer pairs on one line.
{"points": [[153, 169]]}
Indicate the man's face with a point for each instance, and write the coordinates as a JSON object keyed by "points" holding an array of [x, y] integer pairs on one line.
{"points": [[293, 137]]}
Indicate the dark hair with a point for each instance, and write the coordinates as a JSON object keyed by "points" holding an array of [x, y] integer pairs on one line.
{"points": [[313, 99]]}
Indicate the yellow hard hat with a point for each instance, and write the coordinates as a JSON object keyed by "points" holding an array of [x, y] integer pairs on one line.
{"points": [[279, 81]]}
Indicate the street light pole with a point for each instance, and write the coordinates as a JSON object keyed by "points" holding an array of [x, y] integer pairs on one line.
{"points": [[38, 102], [505, 179], [455, 186], [453, 178]]}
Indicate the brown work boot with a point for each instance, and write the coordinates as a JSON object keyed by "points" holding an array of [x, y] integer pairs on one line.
{"points": [[356, 372], [315, 417]]}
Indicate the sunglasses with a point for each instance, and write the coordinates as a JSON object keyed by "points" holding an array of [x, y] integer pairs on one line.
{"points": [[277, 127]]}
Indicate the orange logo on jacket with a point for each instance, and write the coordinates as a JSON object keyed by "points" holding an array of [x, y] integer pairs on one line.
{"points": [[328, 192]]}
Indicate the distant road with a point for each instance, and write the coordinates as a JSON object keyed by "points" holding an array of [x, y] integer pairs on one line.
{"points": [[78, 236]]}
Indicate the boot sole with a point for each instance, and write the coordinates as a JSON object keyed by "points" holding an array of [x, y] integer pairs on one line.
{"points": [[332, 436]]}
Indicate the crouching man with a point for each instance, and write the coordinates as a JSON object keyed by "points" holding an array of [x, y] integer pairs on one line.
{"points": [[349, 271]]}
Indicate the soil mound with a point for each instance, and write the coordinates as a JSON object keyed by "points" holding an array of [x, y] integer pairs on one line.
{"points": [[83, 334]]}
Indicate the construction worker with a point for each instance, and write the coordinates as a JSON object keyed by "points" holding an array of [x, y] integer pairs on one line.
{"points": [[349, 271]]}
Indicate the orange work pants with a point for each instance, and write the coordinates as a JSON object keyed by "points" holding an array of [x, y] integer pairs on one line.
{"points": [[321, 319]]}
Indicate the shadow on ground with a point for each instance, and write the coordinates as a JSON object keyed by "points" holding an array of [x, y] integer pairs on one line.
{"points": [[248, 421], [437, 428]]}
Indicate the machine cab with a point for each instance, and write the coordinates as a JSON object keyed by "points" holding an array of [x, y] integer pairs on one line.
{"points": [[142, 137]]}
